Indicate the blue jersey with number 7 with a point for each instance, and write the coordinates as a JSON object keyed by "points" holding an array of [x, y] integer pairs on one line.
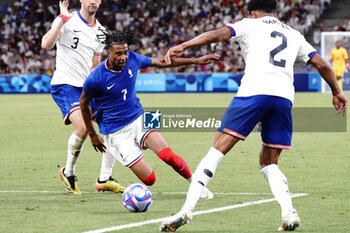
{"points": [[115, 93]]}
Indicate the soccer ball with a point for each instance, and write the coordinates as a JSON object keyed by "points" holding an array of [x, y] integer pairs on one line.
{"points": [[137, 198]]}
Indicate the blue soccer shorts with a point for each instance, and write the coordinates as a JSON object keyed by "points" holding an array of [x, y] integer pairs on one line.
{"points": [[67, 98], [274, 113]]}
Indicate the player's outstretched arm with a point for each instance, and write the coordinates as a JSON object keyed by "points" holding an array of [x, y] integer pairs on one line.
{"points": [[180, 61], [221, 34], [96, 60], [51, 37], [96, 140], [340, 102]]}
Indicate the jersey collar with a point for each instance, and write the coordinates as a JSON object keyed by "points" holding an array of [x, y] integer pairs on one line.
{"points": [[113, 71], [86, 22]]}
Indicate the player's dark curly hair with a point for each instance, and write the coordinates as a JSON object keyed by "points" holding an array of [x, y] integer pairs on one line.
{"points": [[111, 37], [268, 6]]}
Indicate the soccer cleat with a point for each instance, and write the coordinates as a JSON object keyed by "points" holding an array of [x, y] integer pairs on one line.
{"points": [[70, 183], [109, 185], [206, 194], [290, 222], [172, 223]]}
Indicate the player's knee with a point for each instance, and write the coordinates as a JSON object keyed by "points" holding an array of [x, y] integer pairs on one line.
{"points": [[150, 180], [81, 132], [75, 144]]}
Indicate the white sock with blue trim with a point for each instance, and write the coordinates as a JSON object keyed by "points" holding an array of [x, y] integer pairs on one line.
{"points": [[75, 146], [279, 187], [203, 174], [107, 165]]}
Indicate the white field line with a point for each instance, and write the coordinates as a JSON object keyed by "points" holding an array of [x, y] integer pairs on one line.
{"points": [[245, 194], [167, 193], [137, 224], [29, 191]]}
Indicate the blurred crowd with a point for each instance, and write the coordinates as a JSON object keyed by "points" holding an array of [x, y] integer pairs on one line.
{"points": [[158, 24], [343, 26]]}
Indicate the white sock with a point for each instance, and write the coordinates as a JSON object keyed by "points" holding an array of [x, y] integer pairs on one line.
{"points": [[190, 179], [107, 164], [279, 187], [203, 174], [75, 146]]}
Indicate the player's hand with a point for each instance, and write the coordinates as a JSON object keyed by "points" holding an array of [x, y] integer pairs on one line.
{"points": [[207, 59], [340, 103], [64, 9], [175, 51], [97, 143]]}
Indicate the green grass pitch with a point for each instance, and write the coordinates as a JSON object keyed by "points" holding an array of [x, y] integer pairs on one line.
{"points": [[33, 144]]}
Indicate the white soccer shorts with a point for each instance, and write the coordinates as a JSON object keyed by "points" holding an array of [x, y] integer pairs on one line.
{"points": [[126, 144]]}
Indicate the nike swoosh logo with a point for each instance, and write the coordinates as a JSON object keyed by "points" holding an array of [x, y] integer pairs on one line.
{"points": [[109, 87], [76, 30]]}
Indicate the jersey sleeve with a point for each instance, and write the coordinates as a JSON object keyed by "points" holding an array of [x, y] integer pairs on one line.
{"points": [[238, 29], [91, 85], [101, 46], [306, 51], [99, 49], [143, 61]]}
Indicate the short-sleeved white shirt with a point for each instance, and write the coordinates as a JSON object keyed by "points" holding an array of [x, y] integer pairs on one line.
{"points": [[75, 49], [270, 49]]}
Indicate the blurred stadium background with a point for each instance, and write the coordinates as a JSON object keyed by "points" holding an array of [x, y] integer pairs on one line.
{"points": [[26, 68]]}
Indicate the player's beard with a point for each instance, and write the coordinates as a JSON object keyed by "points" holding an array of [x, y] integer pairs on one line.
{"points": [[91, 10], [120, 66]]}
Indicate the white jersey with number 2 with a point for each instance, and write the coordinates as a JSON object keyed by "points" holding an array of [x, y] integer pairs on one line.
{"points": [[75, 49], [270, 49]]}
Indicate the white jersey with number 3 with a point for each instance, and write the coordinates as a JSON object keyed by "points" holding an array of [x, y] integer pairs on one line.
{"points": [[75, 49], [270, 49]]}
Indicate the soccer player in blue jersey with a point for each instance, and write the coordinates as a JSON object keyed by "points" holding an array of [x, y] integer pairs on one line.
{"points": [[266, 94], [119, 116]]}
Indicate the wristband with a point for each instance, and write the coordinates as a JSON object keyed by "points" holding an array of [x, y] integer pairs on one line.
{"points": [[64, 18]]}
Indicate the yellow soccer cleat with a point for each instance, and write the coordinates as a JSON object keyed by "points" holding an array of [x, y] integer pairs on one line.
{"points": [[110, 185], [70, 183]]}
